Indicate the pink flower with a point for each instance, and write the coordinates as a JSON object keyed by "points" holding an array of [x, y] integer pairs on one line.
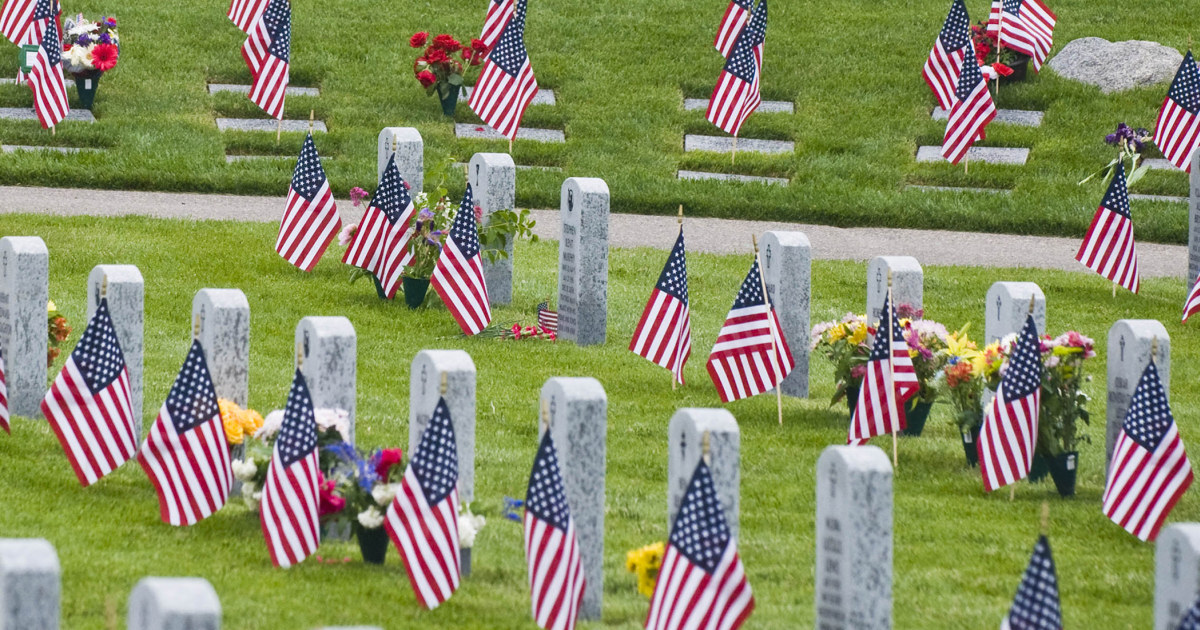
{"points": [[388, 457], [478, 213], [357, 195], [330, 503], [347, 233], [858, 371]]}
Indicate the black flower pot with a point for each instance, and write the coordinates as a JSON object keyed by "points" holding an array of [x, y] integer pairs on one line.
{"points": [[915, 414], [1020, 67], [379, 288], [852, 398], [970, 442], [1063, 469], [86, 83], [1039, 469], [450, 100], [414, 291], [464, 564], [373, 543]]}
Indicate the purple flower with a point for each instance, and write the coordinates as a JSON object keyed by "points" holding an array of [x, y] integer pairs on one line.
{"points": [[433, 238], [105, 38], [110, 22], [1111, 138], [425, 215], [84, 40]]}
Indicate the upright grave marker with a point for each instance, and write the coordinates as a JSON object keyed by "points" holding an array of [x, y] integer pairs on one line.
{"points": [[24, 292], [329, 346], [1129, 345], [223, 316], [583, 261], [787, 272], [126, 293], [1006, 307], [409, 148], [424, 389], [854, 539], [685, 447], [30, 584], [174, 603], [493, 178], [1194, 223], [908, 284], [578, 417], [1176, 573]]}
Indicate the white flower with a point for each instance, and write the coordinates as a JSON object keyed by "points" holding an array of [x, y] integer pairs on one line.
{"points": [[84, 27], [271, 425], [468, 526], [337, 419], [370, 518], [79, 57], [244, 469], [383, 493]]}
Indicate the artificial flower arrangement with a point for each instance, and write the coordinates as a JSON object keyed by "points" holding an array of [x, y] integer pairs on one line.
{"points": [[469, 526], [58, 329], [1003, 62], [517, 332], [645, 564], [239, 423], [962, 380], [252, 441], [1131, 145], [442, 65], [926, 341], [359, 489], [90, 46]]}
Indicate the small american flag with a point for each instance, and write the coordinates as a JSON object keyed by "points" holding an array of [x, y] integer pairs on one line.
{"points": [[258, 41], [1036, 605], [1191, 621], [751, 355], [736, 94], [24, 22], [458, 276], [3, 396], [185, 454], [1010, 424], [506, 84], [973, 109], [268, 53], [245, 12], [1150, 469], [945, 61], [1109, 249], [664, 334], [46, 79], [422, 520], [1177, 132], [556, 579], [889, 382], [89, 405], [381, 243], [498, 13], [731, 24], [289, 498], [311, 219], [547, 318], [1026, 26], [1192, 304], [702, 583]]}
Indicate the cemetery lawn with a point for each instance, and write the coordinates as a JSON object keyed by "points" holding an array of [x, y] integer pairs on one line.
{"points": [[959, 553], [620, 70]]}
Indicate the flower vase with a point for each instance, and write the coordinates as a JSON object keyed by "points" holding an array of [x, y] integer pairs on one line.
{"points": [[236, 451], [414, 291], [852, 398], [449, 99], [86, 84], [970, 442], [915, 414], [1039, 469], [464, 564], [1063, 469], [379, 288], [1020, 68], [373, 543]]}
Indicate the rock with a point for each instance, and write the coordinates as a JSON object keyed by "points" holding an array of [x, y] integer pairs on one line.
{"points": [[1116, 66]]}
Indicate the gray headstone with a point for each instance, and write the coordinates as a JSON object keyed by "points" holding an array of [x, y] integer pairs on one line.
{"points": [[583, 261], [787, 271], [1006, 307], [731, 177], [991, 155], [224, 318], [30, 584], [854, 539], [424, 389], [27, 113], [126, 304], [24, 292], [493, 178], [1176, 573], [908, 284], [1194, 222], [268, 125], [725, 144], [471, 131], [409, 148], [174, 603], [330, 365], [1019, 117], [1129, 344], [685, 447], [1116, 66], [579, 425]]}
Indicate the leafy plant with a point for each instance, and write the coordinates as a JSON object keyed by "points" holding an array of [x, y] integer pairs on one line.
{"points": [[1130, 144], [437, 69]]}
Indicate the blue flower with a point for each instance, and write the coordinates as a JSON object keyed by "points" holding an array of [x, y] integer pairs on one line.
{"points": [[105, 38]]}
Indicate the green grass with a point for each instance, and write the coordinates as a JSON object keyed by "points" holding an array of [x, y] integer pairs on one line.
{"points": [[620, 70], [959, 553]]}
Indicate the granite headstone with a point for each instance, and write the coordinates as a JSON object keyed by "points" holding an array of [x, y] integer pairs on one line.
{"points": [[908, 284], [223, 316], [424, 389], [174, 603], [1194, 223], [1176, 573], [1129, 345], [583, 261], [685, 447], [24, 292], [30, 584], [1006, 307], [493, 178], [787, 272], [126, 304], [409, 148], [330, 364]]}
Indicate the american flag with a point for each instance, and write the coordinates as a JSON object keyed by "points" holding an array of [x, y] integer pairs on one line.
{"points": [[506, 84], [556, 579], [245, 12], [185, 454], [1192, 304], [946, 59], [731, 24], [498, 13], [268, 52], [422, 520], [736, 95], [1026, 26], [664, 334], [1108, 249], [1191, 621], [547, 318], [890, 380], [1177, 132], [289, 496], [1010, 424], [1036, 605], [3, 396], [311, 219], [381, 243], [973, 109], [24, 22], [1150, 469], [458, 276], [751, 355], [89, 405], [702, 583], [46, 79]]}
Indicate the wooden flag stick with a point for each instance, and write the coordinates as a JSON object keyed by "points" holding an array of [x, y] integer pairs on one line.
{"points": [[767, 301], [967, 162], [1012, 491], [706, 448], [510, 143], [299, 355], [196, 327], [733, 157], [1045, 518], [546, 415], [999, 47], [892, 371], [54, 130], [278, 130], [104, 286], [1114, 289], [1153, 348], [674, 381]]}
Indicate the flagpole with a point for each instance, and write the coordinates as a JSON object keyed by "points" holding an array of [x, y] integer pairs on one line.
{"points": [[706, 448], [771, 324], [278, 128], [733, 158], [999, 46], [673, 379], [1012, 488], [892, 370], [1045, 518]]}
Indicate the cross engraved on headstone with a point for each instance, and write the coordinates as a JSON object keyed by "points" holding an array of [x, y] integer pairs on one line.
{"points": [[570, 200], [5, 274], [998, 302], [553, 407], [201, 314], [1175, 560], [1122, 347], [879, 279], [97, 294], [768, 255], [424, 380], [306, 344], [477, 167]]}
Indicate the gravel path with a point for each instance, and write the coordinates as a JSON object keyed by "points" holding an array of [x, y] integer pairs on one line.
{"points": [[719, 236]]}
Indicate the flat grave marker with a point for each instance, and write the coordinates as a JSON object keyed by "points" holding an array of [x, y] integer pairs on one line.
{"points": [[268, 125], [292, 90], [990, 155], [731, 177], [765, 107], [724, 144], [23, 113], [1019, 117], [469, 131]]}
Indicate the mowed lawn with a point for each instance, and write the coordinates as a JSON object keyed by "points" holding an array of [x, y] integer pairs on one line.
{"points": [[620, 70], [959, 553]]}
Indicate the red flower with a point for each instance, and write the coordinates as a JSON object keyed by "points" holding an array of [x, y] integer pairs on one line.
{"points": [[435, 55], [1002, 69], [466, 54], [447, 43], [388, 458], [330, 503], [66, 47], [104, 57], [478, 46], [478, 213], [426, 78], [418, 40]]}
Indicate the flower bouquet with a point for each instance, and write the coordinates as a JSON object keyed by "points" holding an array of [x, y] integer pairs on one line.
{"points": [[361, 488], [241, 426], [962, 382], [926, 340], [441, 66], [645, 564], [1063, 406], [89, 50], [58, 329], [1004, 64], [846, 344], [1131, 144], [469, 526]]}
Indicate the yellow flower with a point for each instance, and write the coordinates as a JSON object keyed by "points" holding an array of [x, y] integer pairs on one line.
{"points": [[251, 421], [230, 418], [645, 563], [858, 335], [837, 332], [50, 307]]}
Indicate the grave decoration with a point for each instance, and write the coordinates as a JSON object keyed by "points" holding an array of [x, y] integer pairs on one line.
{"points": [[239, 423], [962, 384], [1006, 64], [469, 526], [443, 65], [366, 483], [59, 329], [517, 331], [1133, 145], [251, 451], [89, 50], [645, 562]]}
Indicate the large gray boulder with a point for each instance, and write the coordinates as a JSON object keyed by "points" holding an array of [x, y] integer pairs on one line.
{"points": [[1116, 66]]}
